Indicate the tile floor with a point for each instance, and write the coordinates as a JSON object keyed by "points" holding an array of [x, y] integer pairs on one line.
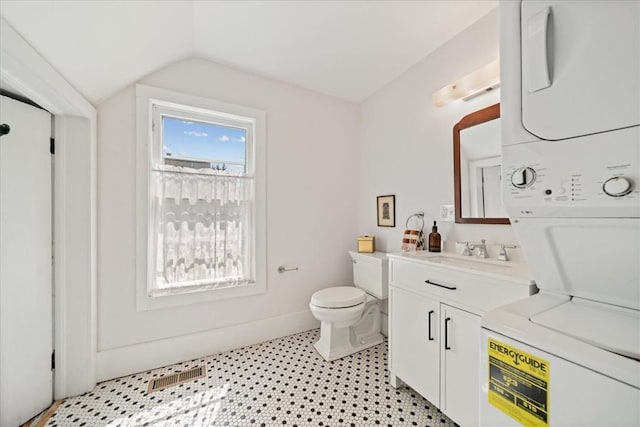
{"points": [[280, 382]]}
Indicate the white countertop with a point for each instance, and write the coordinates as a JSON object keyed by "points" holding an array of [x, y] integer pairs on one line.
{"points": [[516, 271]]}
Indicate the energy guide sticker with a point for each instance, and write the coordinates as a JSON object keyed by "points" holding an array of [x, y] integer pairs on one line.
{"points": [[519, 384]]}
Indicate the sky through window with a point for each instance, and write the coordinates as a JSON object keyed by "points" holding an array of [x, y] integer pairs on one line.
{"points": [[193, 140]]}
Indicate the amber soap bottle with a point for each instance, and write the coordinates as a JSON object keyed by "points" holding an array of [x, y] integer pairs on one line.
{"points": [[434, 239]]}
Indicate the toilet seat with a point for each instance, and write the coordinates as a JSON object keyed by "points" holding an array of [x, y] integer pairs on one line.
{"points": [[339, 297]]}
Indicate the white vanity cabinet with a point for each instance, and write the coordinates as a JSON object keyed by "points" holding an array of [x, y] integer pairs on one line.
{"points": [[459, 365], [414, 334], [434, 326]]}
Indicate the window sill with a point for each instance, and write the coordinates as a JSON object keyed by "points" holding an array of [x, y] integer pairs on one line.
{"points": [[175, 297], [197, 286]]}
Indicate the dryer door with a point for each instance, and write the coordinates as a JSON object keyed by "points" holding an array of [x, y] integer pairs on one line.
{"points": [[580, 67]]}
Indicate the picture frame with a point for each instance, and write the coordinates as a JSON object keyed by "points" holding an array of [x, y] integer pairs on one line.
{"points": [[386, 208]]}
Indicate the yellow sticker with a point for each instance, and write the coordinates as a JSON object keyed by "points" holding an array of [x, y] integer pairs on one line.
{"points": [[519, 384]]}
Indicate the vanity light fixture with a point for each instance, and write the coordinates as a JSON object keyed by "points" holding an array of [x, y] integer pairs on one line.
{"points": [[481, 81]]}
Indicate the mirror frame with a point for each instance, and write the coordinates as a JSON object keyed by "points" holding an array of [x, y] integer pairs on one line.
{"points": [[486, 114]]}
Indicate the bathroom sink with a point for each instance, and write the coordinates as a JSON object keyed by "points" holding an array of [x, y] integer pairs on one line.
{"points": [[488, 267], [468, 263]]}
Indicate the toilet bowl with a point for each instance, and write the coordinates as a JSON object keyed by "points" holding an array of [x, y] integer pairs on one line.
{"points": [[350, 318], [350, 321]]}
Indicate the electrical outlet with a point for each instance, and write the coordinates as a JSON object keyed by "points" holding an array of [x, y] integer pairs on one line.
{"points": [[446, 213]]}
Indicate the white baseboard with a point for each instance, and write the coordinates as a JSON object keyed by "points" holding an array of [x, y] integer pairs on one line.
{"points": [[385, 324], [129, 360]]}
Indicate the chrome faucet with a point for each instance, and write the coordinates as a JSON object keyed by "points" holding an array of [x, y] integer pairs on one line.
{"points": [[468, 249], [482, 249], [502, 256]]}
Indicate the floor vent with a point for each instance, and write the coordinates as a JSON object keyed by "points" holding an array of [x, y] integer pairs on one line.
{"points": [[177, 378]]}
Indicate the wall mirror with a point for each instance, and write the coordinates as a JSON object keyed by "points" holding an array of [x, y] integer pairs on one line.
{"points": [[477, 162]]}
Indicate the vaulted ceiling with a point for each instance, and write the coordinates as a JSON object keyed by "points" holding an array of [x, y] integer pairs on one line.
{"points": [[346, 49]]}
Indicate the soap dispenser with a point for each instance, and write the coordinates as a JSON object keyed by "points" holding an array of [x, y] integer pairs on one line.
{"points": [[434, 239]]}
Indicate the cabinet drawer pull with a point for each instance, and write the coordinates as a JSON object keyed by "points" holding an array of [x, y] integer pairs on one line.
{"points": [[446, 333], [430, 313], [451, 288]]}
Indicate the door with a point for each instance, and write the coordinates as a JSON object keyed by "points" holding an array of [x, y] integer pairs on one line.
{"points": [[415, 357], [580, 67], [26, 332], [460, 365]]}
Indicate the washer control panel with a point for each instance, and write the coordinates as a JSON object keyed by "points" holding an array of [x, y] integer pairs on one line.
{"points": [[589, 176]]}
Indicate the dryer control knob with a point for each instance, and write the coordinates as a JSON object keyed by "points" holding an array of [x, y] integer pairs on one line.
{"points": [[617, 186], [523, 177]]}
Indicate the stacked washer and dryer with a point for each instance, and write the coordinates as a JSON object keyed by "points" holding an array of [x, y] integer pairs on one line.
{"points": [[570, 113]]}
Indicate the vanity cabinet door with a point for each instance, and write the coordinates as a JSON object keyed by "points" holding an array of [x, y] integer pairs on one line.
{"points": [[414, 342], [460, 331]]}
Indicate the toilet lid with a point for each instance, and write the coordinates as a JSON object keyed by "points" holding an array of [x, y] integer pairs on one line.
{"points": [[338, 297]]}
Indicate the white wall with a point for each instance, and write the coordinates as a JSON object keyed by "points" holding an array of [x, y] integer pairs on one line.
{"points": [[406, 143], [327, 160], [311, 213]]}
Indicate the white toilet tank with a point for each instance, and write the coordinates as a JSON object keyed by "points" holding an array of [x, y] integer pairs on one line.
{"points": [[371, 273]]}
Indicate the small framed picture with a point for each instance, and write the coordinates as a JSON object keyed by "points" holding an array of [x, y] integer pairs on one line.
{"points": [[386, 211]]}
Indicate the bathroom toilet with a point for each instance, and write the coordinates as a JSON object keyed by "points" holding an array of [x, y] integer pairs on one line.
{"points": [[350, 315]]}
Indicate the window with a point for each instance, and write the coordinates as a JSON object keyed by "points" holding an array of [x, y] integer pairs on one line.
{"points": [[201, 199]]}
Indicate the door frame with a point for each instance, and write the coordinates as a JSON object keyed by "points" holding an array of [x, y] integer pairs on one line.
{"points": [[24, 70]]}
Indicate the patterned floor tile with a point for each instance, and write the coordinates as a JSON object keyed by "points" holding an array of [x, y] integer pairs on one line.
{"points": [[283, 382]]}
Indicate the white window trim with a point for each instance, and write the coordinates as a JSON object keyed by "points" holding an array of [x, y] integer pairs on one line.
{"points": [[144, 97]]}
